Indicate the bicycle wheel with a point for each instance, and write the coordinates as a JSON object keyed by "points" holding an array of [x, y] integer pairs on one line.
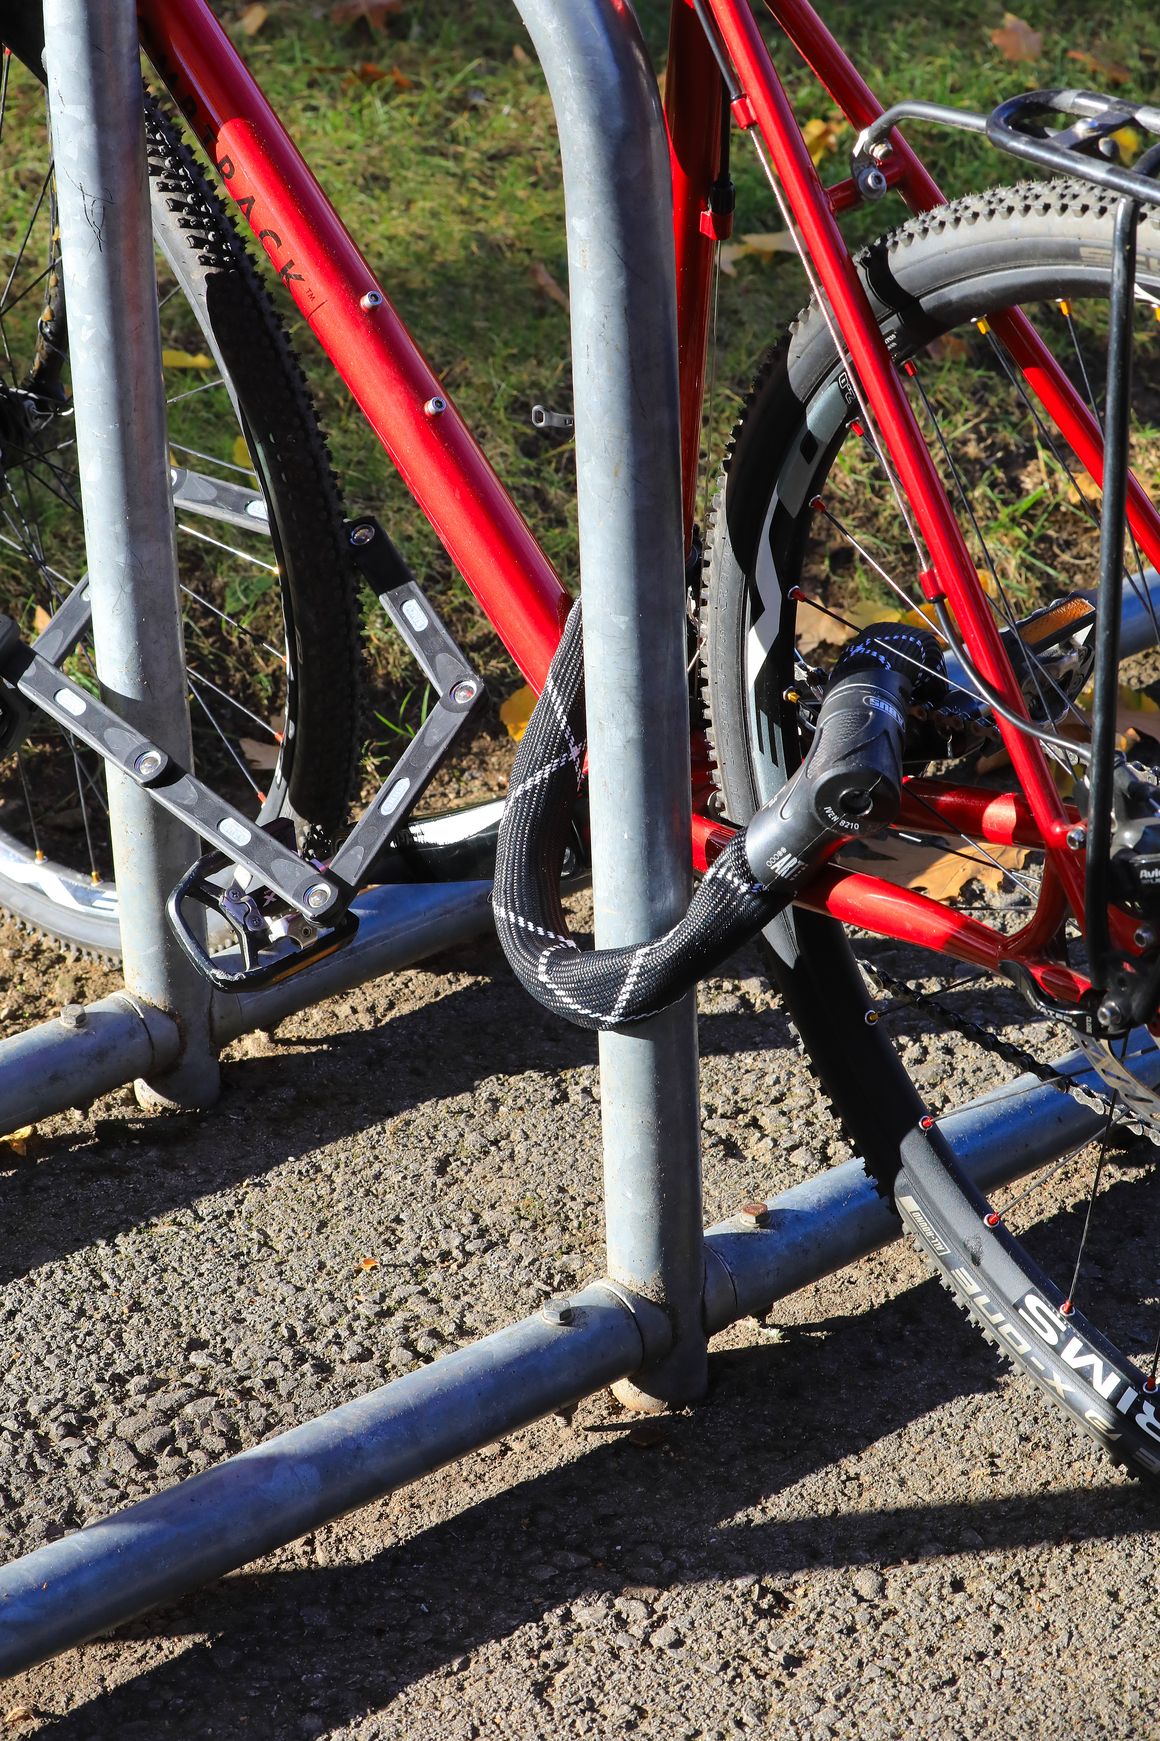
{"points": [[270, 618], [1031, 515]]}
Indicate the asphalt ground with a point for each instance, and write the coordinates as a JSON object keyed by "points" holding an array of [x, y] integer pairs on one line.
{"points": [[867, 1529]]}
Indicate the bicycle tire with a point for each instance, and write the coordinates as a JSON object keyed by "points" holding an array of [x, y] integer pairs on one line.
{"points": [[319, 736], [1036, 242]]}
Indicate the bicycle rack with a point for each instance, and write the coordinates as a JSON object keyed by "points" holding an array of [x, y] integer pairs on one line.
{"points": [[670, 1286]]}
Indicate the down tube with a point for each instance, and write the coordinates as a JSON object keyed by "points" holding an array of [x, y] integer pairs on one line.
{"points": [[439, 461]]}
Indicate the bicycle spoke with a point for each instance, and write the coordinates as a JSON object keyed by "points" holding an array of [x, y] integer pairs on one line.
{"points": [[250, 781], [1069, 1303], [819, 507], [230, 549]]}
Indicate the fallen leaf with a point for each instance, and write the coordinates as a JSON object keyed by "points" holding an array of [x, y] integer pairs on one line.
{"points": [[1108, 70], [40, 619], [516, 711], [942, 875], [374, 12], [521, 56], [259, 754], [951, 347], [186, 360], [867, 611], [19, 1714], [761, 242], [822, 137], [18, 1141], [1016, 40], [815, 629], [242, 454], [368, 1263], [1137, 715], [544, 281], [251, 20], [364, 72], [1083, 488], [1129, 142], [368, 72]]}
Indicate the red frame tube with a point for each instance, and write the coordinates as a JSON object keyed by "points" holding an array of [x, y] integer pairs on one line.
{"points": [[951, 566], [841, 79], [437, 457]]}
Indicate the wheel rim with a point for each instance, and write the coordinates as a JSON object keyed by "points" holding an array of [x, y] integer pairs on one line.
{"points": [[1067, 1247]]}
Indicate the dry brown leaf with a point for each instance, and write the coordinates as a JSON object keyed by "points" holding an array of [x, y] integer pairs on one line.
{"points": [[761, 242], [822, 137], [943, 875], [374, 12], [368, 1263], [1016, 40], [815, 629], [18, 1140], [259, 754], [1110, 71], [19, 1714], [951, 347], [40, 619], [369, 72], [544, 281], [521, 56], [363, 72], [1084, 487], [251, 19]]}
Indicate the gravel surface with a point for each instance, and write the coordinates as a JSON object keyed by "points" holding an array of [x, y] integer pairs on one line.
{"points": [[867, 1530]]}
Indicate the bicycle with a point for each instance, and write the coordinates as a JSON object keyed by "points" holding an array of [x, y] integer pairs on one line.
{"points": [[843, 398]]}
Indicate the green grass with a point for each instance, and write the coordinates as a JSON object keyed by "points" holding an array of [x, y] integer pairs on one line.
{"points": [[448, 177]]}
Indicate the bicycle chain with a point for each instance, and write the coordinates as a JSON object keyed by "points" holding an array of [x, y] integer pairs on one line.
{"points": [[988, 1041]]}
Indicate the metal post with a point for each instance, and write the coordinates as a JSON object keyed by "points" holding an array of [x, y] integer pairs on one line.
{"points": [[624, 348], [94, 92]]}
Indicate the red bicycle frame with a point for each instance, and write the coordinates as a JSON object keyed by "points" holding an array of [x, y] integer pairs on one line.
{"points": [[491, 545]]}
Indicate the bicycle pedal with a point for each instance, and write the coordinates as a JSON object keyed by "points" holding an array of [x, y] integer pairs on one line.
{"points": [[273, 941]]}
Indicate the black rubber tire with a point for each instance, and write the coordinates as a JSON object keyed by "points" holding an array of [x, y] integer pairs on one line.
{"points": [[1035, 242], [315, 776]]}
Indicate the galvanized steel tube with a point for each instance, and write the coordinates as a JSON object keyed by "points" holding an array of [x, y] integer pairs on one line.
{"points": [[821, 1226], [156, 1550], [94, 93], [624, 351]]}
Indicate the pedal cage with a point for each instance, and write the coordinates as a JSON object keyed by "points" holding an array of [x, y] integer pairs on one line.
{"points": [[258, 933]]}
